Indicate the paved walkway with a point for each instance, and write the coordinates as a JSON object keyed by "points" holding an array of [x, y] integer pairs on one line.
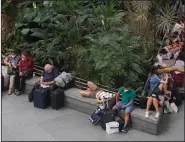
{"points": [[22, 122]]}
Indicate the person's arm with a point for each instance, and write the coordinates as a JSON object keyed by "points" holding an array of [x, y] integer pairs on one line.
{"points": [[117, 97], [41, 80], [50, 82], [20, 68], [6, 61], [131, 100]]}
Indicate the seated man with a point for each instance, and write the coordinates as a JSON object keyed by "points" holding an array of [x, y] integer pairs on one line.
{"points": [[94, 92], [47, 79], [157, 86], [127, 102]]}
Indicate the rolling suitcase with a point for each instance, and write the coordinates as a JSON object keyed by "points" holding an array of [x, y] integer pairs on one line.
{"points": [[57, 99], [41, 98], [107, 115]]}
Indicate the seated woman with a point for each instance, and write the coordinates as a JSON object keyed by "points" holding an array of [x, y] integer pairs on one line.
{"points": [[157, 86], [94, 92], [25, 72], [12, 62], [47, 79]]}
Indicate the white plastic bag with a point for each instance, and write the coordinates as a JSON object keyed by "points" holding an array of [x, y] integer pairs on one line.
{"points": [[179, 64], [168, 106], [112, 127], [174, 107]]}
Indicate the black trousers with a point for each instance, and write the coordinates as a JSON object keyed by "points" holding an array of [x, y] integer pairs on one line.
{"points": [[20, 81]]}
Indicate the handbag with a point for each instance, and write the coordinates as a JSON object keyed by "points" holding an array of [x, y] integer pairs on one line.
{"points": [[24, 73], [11, 71]]}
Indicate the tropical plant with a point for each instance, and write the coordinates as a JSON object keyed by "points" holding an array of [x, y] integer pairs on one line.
{"points": [[166, 19], [89, 38]]}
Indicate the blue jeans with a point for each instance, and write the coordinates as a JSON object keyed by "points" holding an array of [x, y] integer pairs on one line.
{"points": [[127, 109]]}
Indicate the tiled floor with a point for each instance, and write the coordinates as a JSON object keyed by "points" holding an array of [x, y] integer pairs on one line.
{"points": [[21, 121]]}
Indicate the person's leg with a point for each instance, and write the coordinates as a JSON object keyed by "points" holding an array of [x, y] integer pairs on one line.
{"points": [[170, 69], [84, 93], [118, 106], [11, 86], [91, 85], [22, 81], [149, 103], [6, 80], [128, 110], [22, 85], [156, 105]]}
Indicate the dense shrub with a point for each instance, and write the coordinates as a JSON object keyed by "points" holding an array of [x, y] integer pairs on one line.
{"points": [[89, 38]]}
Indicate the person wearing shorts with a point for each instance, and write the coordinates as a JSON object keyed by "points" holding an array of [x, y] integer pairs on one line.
{"points": [[91, 91], [127, 102]]}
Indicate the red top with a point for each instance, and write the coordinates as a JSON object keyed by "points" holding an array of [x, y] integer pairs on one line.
{"points": [[26, 64]]}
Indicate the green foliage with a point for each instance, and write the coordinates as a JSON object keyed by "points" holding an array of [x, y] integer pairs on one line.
{"points": [[88, 38], [166, 19]]}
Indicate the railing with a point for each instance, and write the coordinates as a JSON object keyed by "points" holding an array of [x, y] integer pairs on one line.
{"points": [[82, 83]]}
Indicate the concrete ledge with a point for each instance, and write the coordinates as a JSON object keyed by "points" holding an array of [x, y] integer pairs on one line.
{"points": [[87, 105]]}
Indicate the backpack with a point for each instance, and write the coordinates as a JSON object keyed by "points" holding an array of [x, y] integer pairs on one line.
{"points": [[95, 117], [63, 79]]}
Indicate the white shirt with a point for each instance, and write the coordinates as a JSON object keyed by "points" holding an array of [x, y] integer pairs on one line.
{"points": [[104, 95], [160, 60], [177, 28]]}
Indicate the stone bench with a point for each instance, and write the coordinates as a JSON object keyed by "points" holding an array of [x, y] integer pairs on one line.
{"points": [[87, 105]]}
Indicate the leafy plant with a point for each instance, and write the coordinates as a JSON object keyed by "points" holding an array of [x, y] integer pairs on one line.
{"points": [[166, 19], [89, 38]]}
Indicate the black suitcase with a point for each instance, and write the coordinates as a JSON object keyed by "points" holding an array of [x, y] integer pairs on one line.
{"points": [[41, 98], [57, 99], [105, 117]]}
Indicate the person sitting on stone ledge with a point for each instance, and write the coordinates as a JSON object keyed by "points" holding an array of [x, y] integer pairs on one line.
{"points": [[12, 71], [157, 86], [127, 102], [95, 92], [50, 72], [25, 72]]}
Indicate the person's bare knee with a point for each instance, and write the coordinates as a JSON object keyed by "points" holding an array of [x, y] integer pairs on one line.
{"points": [[91, 85]]}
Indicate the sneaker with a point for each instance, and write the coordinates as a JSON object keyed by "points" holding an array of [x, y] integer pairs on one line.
{"points": [[157, 115], [15, 92], [19, 93], [124, 130], [146, 114]]}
